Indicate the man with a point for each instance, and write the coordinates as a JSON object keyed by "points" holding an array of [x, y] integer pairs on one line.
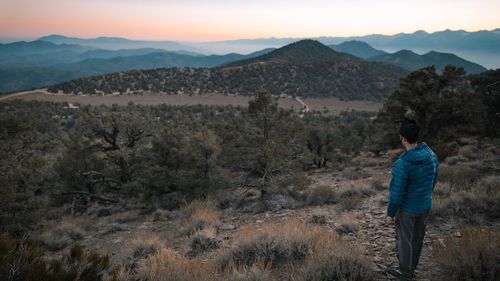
{"points": [[413, 178]]}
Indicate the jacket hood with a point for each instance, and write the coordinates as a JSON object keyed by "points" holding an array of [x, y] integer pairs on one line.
{"points": [[418, 155]]}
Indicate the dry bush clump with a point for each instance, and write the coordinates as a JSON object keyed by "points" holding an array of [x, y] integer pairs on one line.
{"points": [[319, 219], [65, 233], [23, 260], [256, 272], [474, 256], [274, 244], [473, 203], [321, 195], [204, 240], [347, 224], [168, 265], [458, 174], [334, 259], [144, 246], [201, 214], [352, 194]]}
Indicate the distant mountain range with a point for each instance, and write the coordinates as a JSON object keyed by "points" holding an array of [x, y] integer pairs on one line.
{"points": [[116, 43], [305, 68], [26, 65], [407, 59], [480, 46], [411, 61], [357, 48]]}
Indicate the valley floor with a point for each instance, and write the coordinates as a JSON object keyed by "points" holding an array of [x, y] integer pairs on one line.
{"points": [[333, 105]]}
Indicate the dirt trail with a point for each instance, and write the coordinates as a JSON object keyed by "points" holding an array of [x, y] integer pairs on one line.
{"points": [[379, 240], [4, 97]]}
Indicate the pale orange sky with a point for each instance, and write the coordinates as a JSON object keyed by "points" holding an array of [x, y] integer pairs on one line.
{"points": [[198, 20]]}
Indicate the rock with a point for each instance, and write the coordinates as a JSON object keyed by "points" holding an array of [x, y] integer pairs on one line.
{"points": [[227, 227]]}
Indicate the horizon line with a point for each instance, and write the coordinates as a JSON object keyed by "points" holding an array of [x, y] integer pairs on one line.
{"points": [[235, 39]]}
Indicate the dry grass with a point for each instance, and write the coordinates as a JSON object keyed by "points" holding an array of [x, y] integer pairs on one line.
{"points": [[168, 265], [65, 233], [274, 244], [144, 246], [472, 203], [334, 105], [256, 272], [321, 195], [347, 224], [474, 256], [201, 214], [204, 240], [290, 250], [334, 259]]}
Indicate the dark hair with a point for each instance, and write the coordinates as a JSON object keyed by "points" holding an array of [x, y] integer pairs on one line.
{"points": [[409, 130]]}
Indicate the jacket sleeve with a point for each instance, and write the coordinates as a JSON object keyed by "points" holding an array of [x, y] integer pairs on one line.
{"points": [[397, 187], [436, 171]]}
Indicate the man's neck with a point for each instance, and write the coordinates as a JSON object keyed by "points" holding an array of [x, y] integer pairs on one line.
{"points": [[410, 146]]}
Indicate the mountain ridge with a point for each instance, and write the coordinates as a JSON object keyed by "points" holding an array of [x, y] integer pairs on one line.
{"points": [[291, 70]]}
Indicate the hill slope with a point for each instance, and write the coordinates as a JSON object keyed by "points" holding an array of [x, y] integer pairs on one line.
{"points": [[304, 68], [357, 48], [411, 61], [61, 63]]}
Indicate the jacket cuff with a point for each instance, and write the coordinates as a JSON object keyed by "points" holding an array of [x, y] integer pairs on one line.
{"points": [[391, 210]]}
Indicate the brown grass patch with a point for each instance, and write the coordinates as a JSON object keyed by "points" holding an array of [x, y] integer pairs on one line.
{"points": [[474, 256], [168, 265], [144, 245], [65, 233], [201, 214], [274, 244]]}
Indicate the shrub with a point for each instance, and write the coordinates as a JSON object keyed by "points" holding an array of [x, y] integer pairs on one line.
{"points": [[204, 241], [201, 214], [351, 198], [145, 246], [67, 232], [249, 273], [167, 265], [321, 195], [458, 175], [334, 259], [318, 219], [22, 260], [274, 244], [474, 256], [472, 204], [347, 224]]}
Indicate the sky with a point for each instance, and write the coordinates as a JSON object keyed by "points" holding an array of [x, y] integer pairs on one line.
{"points": [[213, 20]]}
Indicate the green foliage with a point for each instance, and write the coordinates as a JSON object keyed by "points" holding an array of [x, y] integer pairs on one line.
{"points": [[445, 106]]}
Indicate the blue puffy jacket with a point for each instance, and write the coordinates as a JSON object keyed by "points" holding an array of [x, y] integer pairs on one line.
{"points": [[414, 175]]}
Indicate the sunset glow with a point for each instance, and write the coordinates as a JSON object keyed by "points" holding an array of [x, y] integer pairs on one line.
{"points": [[205, 20]]}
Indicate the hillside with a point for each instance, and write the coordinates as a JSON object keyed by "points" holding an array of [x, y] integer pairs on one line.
{"points": [[305, 68], [411, 61], [357, 48], [26, 65]]}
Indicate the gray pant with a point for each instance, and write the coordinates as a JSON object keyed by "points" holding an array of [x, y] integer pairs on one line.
{"points": [[410, 232]]}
